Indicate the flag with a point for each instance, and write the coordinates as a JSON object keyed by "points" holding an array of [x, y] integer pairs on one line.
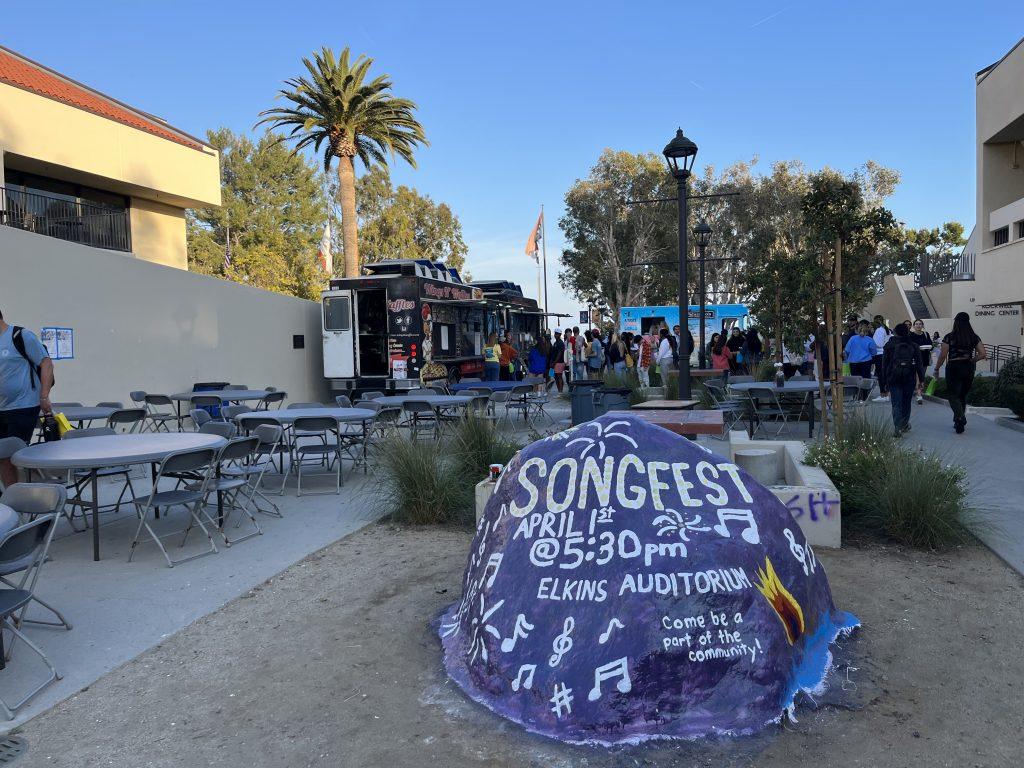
{"points": [[533, 244], [326, 260]]}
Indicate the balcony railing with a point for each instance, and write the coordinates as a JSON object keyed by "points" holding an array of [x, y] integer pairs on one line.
{"points": [[999, 354], [54, 216], [941, 271]]}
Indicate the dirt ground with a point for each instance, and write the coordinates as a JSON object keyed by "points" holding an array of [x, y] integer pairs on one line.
{"points": [[333, 663]]}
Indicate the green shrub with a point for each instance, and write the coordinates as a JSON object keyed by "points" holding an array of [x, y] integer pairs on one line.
{"points": [[420, 485], [892, 490], [765, 370], [1011, 374], [985, 391], [477, 445], [628, 380], [1013, 398]]}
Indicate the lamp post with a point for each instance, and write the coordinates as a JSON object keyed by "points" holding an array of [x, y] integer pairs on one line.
{"points": [[702, 234], [679, 154]]}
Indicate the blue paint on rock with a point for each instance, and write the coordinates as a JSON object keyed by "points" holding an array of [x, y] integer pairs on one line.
{"points": [[626, 584]]}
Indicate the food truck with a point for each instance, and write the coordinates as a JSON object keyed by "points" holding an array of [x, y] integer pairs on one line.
{"points": [[412, 321], [717, 318]]}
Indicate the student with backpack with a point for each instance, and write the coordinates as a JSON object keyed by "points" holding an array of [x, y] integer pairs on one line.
{"points": [[26, 377], [900, 373]]}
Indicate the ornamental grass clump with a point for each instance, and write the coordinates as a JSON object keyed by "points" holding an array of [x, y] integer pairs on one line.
{"points": [[894, 490], [421, 485], [628, 380], [477, 445]]}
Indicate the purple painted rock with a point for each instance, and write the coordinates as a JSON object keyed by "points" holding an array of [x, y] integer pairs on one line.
{"points": [[626, 584]]}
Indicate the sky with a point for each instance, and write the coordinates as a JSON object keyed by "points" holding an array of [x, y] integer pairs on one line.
{"points": [[519, 99]]}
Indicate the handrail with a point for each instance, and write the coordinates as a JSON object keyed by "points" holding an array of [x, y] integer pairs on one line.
{"points": [[72, 220]]}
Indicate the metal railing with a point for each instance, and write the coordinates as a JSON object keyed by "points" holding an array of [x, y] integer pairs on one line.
{"points": [[942, 271], [75, 221], [999, 354]]}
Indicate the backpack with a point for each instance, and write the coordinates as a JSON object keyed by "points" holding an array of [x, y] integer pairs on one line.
{"points": [[19, 344], [906, 357]]}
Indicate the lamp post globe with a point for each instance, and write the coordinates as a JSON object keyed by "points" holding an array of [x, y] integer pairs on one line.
{"points": [[702, 235], [680, 154]]}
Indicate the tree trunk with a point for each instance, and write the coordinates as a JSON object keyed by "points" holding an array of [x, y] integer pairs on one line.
{"points": [[349, 227], [778, 326], [837, 323], [823, 345]]}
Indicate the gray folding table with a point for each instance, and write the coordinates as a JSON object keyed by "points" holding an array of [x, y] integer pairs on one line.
{"points": [[225, 395], [82, 414], [95, 453], [805, 388]]}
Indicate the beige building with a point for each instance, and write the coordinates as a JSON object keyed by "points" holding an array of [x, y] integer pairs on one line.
{"points": [[988, 282], [78, 165]]}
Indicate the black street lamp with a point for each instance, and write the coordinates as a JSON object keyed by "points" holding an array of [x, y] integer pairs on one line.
{"points": [[702, 234], [680, 154]]}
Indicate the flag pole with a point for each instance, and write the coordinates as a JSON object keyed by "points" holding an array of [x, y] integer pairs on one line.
{"points": [[544, 251]]}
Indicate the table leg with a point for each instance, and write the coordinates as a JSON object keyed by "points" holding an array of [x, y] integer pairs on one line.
{"points": [[220, 503], [152, 474], [750, 419], [810, 414], [94, 486]]}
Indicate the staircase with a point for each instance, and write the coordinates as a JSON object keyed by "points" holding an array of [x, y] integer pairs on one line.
{"points": [[918, 308]]}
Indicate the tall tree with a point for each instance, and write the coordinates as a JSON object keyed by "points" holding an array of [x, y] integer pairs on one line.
{"points": [[336, 108], [614, 250], [266, 231], [402, 223]]}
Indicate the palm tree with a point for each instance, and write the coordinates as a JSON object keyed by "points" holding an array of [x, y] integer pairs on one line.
{"points": [[335, 106]]}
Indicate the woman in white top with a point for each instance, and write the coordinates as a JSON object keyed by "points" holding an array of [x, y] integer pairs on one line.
{"points": [[664, 356]]}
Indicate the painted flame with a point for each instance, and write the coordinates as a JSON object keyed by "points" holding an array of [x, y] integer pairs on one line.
{"points": [[784, 604]]}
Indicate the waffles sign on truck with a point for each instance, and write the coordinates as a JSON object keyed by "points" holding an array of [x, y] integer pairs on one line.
{"points": [[408, 322]]}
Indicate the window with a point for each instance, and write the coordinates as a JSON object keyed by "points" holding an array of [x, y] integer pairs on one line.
{"points": [[1020, 229], [1001, 236], [337, 313]]}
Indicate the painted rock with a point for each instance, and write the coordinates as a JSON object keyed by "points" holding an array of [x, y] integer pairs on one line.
{"points": [[626, 584]]}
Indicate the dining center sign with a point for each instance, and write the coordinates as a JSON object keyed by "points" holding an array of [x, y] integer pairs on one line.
{"points": [[626, 584]]}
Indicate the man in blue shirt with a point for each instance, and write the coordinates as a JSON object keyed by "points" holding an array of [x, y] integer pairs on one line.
{"points": [[860, 352], [25, 382]]}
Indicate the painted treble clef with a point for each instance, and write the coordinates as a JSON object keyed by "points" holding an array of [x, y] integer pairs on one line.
{"points": [[563, 642]]}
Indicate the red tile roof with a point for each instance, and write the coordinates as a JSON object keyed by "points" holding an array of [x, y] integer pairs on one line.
{"points": [[27, 75]]}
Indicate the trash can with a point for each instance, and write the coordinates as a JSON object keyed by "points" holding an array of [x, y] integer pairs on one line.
{"points": [[611, 399], [581, 399], [210, 386]]}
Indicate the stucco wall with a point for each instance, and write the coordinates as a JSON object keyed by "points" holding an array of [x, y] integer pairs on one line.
{"points": [[158, 233], [144, 326], [129, 160]]}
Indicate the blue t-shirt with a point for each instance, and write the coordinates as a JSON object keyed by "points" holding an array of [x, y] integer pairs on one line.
{"points": [[15, 374], [860, 349]]}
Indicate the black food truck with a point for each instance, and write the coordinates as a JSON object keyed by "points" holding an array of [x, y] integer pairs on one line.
{"points": [[410, 321]]}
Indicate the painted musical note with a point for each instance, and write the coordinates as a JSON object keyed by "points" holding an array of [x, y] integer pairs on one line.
{"points": [[617, 668], [608, 632], [521, 630], [749, 533], [519, 682], [563, 643], [494, 561]]}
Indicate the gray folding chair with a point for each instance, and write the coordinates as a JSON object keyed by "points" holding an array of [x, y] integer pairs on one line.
{"points": [[207, 403], [766, 406], [80, 479], [419, 414], [279, 447], [219, 428], [343, 401], [233, 487], [199, 417], [229, 412], [138, 396], [732, 409], [371, 395], [200, 462], [740, 379], [26, 544], [132, 418], [32, 500], [518, 400], [271, 398], [324, 428], [157, 419], [267, 436]]}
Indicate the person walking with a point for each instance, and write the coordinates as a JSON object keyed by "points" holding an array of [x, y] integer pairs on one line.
{"points": [[556, 360], [537, 359], [881, 337], [26, 378], [920, 336], [509, 356], [902, 371], [962, 349], [492, 357], [860, 354], [595, 356]]}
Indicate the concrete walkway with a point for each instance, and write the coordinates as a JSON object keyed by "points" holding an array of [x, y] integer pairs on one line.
{"points": [[992, 456]]}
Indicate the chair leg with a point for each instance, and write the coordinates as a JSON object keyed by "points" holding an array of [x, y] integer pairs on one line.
{"points": [[9, 710]]}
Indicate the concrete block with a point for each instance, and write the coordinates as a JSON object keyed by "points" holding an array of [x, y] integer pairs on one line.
{"points": [[484, 490], [760, 463]]}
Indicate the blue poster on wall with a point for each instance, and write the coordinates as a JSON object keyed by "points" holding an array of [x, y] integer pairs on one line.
{"points": [[626, 584]]}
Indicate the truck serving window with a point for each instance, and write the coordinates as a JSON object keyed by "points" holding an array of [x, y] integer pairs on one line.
{"points": [[337, 313]]}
